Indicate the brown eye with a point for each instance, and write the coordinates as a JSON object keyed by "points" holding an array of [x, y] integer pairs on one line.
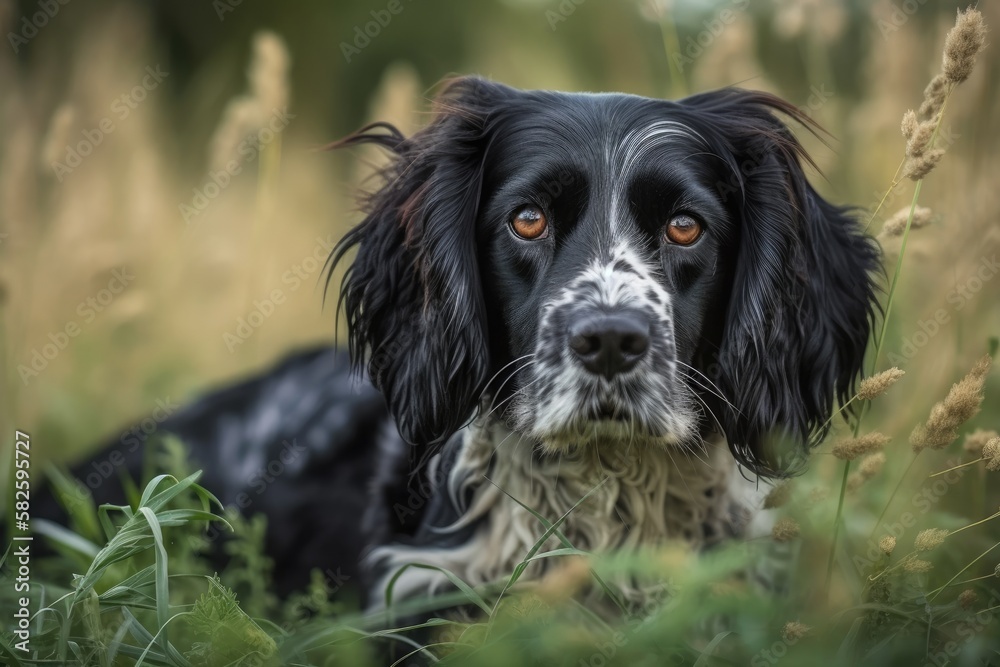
{"points": [[682, 230], [530, 223]]}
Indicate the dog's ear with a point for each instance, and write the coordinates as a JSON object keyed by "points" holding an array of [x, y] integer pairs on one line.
{"points": [[413, 297], [803, 298]]}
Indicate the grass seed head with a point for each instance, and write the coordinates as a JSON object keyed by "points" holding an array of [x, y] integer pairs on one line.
{"points": [[893, 227], [887, 545], [909, 125], [960, 405], [794, 631], [785, 530], [852, 448], [919, 139], [870, 466], [934, 96], [918, 167], [963, 44], [565, 581], [991, 453], [247, 114], [878, 384], [930, 538], [778, 496], [967, 598], [917, 566], [975, 442]]}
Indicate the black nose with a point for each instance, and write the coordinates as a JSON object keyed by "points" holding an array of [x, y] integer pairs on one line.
{"points": [[609, 344]]}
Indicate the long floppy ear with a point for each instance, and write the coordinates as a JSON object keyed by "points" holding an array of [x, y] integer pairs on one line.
{"points": [[803, 299], [413, 297]]}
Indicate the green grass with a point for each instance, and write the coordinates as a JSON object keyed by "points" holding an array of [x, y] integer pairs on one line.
{"points": [[143, 594]]}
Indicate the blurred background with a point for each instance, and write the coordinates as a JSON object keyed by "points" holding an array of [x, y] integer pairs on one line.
{"points": [[165, 215]]}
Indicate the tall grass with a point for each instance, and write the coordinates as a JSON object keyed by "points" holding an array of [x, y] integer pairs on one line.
{"points": [[865, 584]]}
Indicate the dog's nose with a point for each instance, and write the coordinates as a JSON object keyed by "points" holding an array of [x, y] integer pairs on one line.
{"points": [[609, 344]]}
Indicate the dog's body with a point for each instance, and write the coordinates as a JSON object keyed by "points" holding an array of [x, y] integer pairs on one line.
{"points": [[569, 294]]}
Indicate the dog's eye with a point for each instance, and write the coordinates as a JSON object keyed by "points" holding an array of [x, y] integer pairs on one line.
{"points": [[682, 230], [529, 223]]}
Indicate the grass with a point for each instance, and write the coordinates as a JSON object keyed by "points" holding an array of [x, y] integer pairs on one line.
{"points": [[130, 584], [143, 594]]}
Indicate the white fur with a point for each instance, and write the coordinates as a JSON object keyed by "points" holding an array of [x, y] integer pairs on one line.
{"points": [[639, 498], [662, 407]]}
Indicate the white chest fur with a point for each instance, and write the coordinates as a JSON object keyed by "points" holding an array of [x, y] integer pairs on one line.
{"points": [[636, 499]]}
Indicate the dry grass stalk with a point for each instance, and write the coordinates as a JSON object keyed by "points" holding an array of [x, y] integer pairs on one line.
{"points": [[876, 385], [919, 166], [852, 448], [785, 530], [960, 405], [976, 441], [870, 466], [778, 496], [896, 225], [962, 45], [918, 133], [268, 96], [917, 566], [934, 96], [967, 598], [59, 134], [794, 631], [930, 538], [991, 454]]}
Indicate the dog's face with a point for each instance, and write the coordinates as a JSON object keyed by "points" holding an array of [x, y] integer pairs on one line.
{"points": [[604, 270], [604, 241]]}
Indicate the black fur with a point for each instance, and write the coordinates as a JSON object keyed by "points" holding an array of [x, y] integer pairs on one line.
{"points": [[781, 327]]}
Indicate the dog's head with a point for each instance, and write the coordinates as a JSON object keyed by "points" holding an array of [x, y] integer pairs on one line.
{"points": [[600, 268]]}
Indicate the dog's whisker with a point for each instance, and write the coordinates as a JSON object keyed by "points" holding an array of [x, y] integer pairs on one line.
{"points": [[514, 394], [493, 406], [712, 387], [505, 367]]}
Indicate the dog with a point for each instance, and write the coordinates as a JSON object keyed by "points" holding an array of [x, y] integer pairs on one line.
{"points": [[601, 307]]}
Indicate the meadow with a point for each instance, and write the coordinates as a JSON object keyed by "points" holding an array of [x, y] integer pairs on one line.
{"points": [[164, 221]]}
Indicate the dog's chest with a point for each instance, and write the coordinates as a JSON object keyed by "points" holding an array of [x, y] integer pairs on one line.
{"points": [[618, 499]]}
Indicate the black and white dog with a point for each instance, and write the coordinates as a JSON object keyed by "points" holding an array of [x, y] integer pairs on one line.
{"points": [[555, 294]]}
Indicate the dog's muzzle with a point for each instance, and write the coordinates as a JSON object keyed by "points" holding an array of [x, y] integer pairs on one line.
{"points": [[610, 343]]}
